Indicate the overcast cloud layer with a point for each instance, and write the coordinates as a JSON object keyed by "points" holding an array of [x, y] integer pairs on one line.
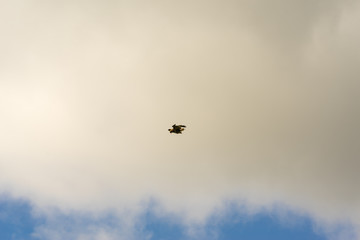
{"points": [[269, 91]]}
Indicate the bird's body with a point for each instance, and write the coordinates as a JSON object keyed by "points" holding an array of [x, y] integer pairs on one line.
{"points": [[177, 129]]}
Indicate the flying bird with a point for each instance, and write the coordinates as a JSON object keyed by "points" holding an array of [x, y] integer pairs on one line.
{"points": [[177, 129]]}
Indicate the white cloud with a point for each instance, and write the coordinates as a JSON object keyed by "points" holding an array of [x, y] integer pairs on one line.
{"points": [[269, 92]]}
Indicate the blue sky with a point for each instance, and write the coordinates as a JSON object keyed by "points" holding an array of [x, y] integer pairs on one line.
{"points": [[237, 226], [18, 222]]}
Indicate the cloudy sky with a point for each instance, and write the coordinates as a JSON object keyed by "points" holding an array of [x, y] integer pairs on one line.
{"points": [[269, 91]]}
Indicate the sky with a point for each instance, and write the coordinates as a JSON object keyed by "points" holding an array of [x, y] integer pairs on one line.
{"points": [[269, 92]]}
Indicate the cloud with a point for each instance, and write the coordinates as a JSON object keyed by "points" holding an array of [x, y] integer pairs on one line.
{"points": [[269, 93]]}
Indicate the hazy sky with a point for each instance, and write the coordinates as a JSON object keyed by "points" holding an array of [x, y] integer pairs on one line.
{"points": [[269, 91]]}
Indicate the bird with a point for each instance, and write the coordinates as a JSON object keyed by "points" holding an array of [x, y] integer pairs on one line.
{"points": [[177, 129]]}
